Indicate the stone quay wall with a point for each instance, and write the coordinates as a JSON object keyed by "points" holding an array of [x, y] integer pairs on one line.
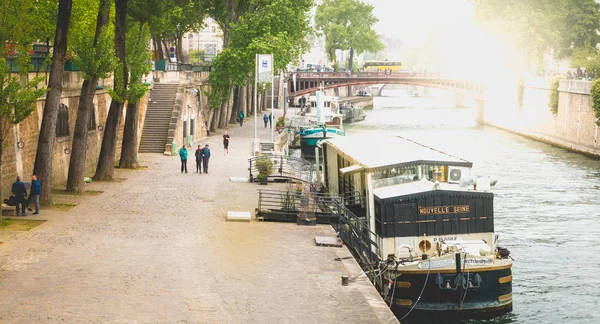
{"points": [[573, 127], [21, 145]]}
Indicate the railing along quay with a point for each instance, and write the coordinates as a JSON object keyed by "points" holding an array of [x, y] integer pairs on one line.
{"points": [[286, 168]]}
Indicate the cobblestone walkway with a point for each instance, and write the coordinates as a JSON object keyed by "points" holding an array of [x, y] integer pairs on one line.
{"points": [[156, 248]]}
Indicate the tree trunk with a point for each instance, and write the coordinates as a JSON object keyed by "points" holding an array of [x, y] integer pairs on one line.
{"points": [[179, 48], [211, 116], [223, 118], [242, 99], [231, 106], [351, 60], [1, 153], [166, 47], [160, 54], [215, 120], [249, 96], [43, 158], [235, 105], [129, 150], [75, 180], [259, 104], [252, 101], [106, 160]]}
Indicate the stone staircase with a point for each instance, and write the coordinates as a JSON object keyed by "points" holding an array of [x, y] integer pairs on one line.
{"points": [[158, 117]]}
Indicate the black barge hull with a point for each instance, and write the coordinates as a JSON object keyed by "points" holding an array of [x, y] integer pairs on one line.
{"points": [[445, 296]]}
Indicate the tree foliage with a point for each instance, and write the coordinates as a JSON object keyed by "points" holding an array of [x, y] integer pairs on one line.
{"points": [[92, 58], [17, 99], [588, 58], [542, 26], [278, 27], [171, 19], [595, 92], [554, 95], [347, 25], [138, 60]]}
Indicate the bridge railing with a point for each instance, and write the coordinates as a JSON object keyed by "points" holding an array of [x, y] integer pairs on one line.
{"points": [[364, 74]]}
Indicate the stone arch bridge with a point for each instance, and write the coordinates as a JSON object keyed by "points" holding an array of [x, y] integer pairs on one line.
{"points": [[304, 83]]}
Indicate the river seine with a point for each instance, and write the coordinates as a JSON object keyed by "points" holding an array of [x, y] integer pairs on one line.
{"points": [[547, 203]]}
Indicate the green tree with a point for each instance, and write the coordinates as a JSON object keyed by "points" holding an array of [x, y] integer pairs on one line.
{"points": [[348, 25], [106, 161], [543, 26], [580, 22], [93, 55], [588, 58], [175, 19], [255, 27], [196, 57], [21, 24], [43, 158], [138, 62], [131, 39], [17, 102]]}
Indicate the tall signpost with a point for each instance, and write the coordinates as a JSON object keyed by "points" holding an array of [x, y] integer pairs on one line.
{"points": [[264, 75], [272, 108]]}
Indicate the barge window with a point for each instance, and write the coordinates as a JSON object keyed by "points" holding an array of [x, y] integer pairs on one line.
{"points": [[396, 175], [436, 172]]}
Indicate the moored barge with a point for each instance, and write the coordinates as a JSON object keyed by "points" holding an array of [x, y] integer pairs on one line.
{"points": [[431, 243]]}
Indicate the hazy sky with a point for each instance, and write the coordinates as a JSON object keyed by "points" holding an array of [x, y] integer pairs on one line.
{"points": [[412, 20]]}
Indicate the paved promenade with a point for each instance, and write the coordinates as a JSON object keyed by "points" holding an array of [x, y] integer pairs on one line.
{"points": [[156, 248]]}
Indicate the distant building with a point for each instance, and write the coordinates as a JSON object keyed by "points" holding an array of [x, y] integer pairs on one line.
{"points": [[210, 36], [317, 54]]}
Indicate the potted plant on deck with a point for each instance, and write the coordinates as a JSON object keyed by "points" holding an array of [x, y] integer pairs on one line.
{"points": [[279, 123], [264, 165]]}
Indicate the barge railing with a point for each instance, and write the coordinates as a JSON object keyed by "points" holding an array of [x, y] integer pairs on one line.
{"points": [[286, 168]]}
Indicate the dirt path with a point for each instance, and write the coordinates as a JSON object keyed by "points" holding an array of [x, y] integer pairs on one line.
{"points": [[156, 249]]}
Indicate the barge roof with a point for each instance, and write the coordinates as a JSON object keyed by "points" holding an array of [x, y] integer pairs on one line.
{"points": [[374, 152], [417, 187]]}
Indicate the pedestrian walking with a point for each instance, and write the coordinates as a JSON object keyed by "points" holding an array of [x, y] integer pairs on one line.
{"points": [[225, 143], [20, 192], [183, 154], [270, 120], [241, 118], [266, 120], [34, 194], [205, 157], [198, 155]]}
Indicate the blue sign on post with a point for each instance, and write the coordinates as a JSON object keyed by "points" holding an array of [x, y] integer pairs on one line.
{"points": [[171, 55]]}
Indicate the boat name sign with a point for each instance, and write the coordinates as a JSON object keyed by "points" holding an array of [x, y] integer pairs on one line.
{"points": [[479, 262], [436, 264], [440, 210]]}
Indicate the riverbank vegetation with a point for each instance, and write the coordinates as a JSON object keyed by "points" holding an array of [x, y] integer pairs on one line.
{"points": [[595, 93], [540, 27], [554, 95]]}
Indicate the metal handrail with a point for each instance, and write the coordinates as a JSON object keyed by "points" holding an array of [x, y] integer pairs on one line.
{"points": [[355, 232], [287, 167]]}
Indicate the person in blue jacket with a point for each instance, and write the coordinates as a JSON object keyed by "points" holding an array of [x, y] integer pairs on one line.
{"points": [[34, 194], [266, 120], [183, 153], [205, 158]]}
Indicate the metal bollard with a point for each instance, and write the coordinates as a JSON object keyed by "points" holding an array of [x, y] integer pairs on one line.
{"points": [[345, 280]]}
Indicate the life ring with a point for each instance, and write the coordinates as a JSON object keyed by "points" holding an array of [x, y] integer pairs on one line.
{"points": [[424, 246]]}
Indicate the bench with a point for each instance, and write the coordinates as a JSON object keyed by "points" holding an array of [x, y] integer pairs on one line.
{"points": [[8, 210]]}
